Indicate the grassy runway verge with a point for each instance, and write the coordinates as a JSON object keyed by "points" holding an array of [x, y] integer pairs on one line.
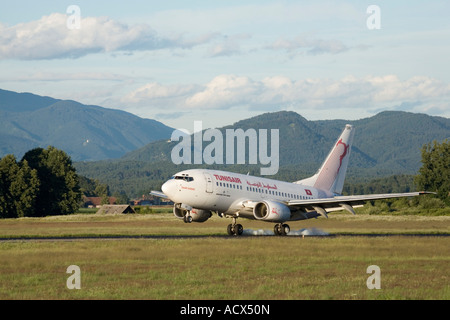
{"points": [[224, 268], [166, 224]]}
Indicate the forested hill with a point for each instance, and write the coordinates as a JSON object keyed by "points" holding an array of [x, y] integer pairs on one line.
{"points": [[386, 144], [84, 132], [389, 141]]}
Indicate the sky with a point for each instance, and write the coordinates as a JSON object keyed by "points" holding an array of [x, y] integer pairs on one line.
{"points": [[223, 61]]}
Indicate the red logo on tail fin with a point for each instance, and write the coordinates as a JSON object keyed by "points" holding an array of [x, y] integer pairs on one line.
{"points": [[342, 156]]}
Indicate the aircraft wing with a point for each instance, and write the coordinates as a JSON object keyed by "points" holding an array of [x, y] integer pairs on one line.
{"points": [[346, 202], [159, 194]]}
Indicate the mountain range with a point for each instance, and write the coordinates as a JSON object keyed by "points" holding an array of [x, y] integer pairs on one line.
{"points": [[132, 154], [390, 140], [85, 132]]}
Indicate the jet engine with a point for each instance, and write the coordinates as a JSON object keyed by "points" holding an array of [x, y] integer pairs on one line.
{"points": [[189, 214], [199, 215], [271, 211]]}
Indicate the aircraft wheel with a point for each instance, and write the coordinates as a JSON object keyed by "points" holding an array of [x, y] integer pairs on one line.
{"points": [[276, 230], [235, 230], [238, 229], [230, 230], [285, 229], [187, 219]]}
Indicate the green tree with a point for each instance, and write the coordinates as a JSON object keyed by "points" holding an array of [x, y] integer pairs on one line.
{"points": [[59, 191], [25, 189], [434, 175], [19, 186], [8, 171], [121, 198], [102, 190]]}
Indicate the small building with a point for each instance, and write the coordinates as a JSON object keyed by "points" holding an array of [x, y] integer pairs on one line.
{"points": [[115, 209]]}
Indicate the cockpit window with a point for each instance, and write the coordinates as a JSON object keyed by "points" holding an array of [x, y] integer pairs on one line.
{"points": [[183, 177]]}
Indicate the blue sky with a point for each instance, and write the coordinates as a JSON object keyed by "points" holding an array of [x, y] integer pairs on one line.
{"points": [[222, 61]]}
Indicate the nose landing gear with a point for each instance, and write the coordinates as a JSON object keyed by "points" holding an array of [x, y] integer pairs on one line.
{"points": [[187, 218]]}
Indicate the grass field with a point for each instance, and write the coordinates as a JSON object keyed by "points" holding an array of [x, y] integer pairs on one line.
{"points": [[211, 267]]}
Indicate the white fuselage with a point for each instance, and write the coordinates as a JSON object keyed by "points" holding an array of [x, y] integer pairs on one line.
{"points": [[225, 192]]}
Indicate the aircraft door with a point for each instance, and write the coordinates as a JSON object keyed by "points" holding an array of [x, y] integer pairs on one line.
{"points": [[209, 183]]}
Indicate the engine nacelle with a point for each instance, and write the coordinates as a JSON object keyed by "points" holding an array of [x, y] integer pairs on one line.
{"points": [[199, 215], [189, 214], [271, 211]]}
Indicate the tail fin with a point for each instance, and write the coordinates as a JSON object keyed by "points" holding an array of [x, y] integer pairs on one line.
{"points": [[331, 175]]}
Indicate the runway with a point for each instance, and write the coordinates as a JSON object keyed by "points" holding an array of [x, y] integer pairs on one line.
{"points": [[242, 237]]}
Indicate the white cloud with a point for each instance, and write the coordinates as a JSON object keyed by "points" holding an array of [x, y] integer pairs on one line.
{"points": [[155, 90], [230, 45], [228, 91], [225, 91], [390, 88], [307, 45], [50, 38]]}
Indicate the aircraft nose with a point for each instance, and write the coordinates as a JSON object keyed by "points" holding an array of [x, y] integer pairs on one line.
{"points": [[167, 188]]}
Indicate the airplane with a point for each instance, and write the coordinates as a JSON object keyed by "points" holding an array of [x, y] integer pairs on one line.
{"points": [[197, 193]]}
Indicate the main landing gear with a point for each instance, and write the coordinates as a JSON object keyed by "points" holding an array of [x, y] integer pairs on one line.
{"points": [[281, 229], [235, 229]]}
